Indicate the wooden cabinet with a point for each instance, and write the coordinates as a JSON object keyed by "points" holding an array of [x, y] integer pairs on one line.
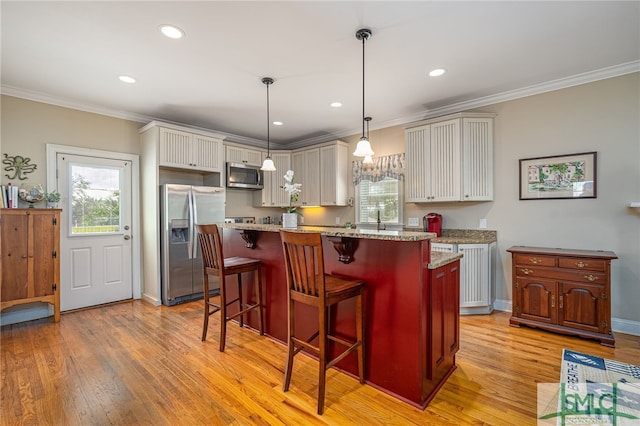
{"points": [[443, 303], [29, 257], [565, 291], [235, 154], [477, 275], [186, 150], [334, 174], [306, 167], [272, 195], [450, 159]]}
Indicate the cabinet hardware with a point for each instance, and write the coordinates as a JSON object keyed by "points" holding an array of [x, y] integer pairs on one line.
{"points": [[54, 287], [527, 271], [561, 302], [604, 295], [604, 324], [54, 221], [591, 278], [553, 301], [534, 260], [581, 264], [54, 254]]}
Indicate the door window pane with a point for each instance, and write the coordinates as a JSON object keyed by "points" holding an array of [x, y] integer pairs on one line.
{"points": [[96, 205]]}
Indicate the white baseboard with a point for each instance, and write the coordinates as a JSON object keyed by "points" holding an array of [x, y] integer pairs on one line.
{"points": [[502, 305], [618, 325], [625, 326]]}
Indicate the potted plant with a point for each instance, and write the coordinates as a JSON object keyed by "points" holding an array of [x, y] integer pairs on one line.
{"points": [[290, 218], [52, 199]]}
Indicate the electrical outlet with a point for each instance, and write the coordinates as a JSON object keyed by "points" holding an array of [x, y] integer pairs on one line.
{"points": [[414, 221], [483, 223], [337, 220]]}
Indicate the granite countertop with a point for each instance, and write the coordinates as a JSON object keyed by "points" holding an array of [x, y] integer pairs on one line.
{"points": [[466, 236], [371, 234], [439, 258]]}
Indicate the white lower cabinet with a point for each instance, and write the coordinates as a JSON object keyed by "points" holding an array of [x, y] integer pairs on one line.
{"points": [[477, 275]]}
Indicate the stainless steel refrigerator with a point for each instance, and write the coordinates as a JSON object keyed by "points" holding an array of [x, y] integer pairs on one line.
{"points": [[181, 207]]}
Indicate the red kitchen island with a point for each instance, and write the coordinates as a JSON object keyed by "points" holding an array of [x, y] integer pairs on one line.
{"points": [[412, 302]]}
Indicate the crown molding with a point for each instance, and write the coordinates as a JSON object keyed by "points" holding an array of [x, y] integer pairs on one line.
{"points": [[562, 83]]}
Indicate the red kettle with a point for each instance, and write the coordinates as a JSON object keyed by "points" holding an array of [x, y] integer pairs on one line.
{"points": [[432, 222]]}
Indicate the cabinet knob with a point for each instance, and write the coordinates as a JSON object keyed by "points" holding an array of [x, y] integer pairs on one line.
{"points": [[534, 260], [591, 278], [527, 271], [581, 264], [553, 301]]}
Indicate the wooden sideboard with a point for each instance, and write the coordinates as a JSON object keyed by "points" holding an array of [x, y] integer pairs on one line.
{"points": [[29, 257], [564, 291]]}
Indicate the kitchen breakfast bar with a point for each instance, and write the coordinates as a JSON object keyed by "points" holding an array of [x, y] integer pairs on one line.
{"points": [[411, 309]]}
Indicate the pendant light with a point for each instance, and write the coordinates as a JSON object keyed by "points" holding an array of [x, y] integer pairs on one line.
{"points": [[268, 165], [363, 148], [367, 158]]}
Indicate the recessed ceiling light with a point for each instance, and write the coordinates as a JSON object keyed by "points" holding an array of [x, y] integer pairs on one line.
{"points": [[127, 79], [278, 123], [336, 104], [437, 72], [171, 31]]}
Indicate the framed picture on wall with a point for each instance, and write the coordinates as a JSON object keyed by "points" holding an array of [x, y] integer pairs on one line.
{"points": [[558, 176]]}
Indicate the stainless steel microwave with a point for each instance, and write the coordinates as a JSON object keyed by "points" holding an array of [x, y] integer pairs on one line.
{"points": [[244, 176]]}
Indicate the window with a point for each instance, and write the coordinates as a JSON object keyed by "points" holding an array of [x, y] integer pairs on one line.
{"points": [[95, 199], [381, 199]]}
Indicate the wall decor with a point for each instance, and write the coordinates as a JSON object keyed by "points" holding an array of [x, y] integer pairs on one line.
{"points": [[558, 176], [19, 165]]}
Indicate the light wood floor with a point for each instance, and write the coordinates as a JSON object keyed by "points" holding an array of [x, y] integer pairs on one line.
{"points": [[133, 363]]}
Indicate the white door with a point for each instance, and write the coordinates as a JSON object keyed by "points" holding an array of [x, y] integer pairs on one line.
{"points": [[95, 240]]}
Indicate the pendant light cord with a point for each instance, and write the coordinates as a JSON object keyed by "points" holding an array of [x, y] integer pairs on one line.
{"points": [[268, 135], [363, 39]]}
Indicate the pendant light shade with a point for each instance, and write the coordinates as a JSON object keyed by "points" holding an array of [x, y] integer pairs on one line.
{"points": [[367, 158], [363, 148], [268, 165]]}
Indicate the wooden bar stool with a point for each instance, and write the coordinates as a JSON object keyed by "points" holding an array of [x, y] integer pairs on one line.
{"points": [[214, 263], [308, 284]]}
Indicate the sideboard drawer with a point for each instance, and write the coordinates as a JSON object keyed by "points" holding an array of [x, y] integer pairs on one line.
{"points": [[586, 264], [534, 260]]}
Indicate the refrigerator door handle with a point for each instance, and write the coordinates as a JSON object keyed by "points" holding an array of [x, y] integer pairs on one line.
{"points": [[192, 225]]}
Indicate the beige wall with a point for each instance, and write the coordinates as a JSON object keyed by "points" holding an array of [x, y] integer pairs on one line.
{"points": [[603, 116], [28, 126]]}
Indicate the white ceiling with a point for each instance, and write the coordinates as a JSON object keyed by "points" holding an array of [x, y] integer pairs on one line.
{"points": [[71, 54]]}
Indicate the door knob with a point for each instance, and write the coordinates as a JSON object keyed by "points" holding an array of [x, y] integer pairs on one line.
{"points": [[126, 227], [127, 237]]}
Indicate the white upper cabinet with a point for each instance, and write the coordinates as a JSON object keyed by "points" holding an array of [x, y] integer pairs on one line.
{"points": [[248, 156], [477, 159], [306, 167], [186, 150], [272, 195], [450, 159], [334, 174]]}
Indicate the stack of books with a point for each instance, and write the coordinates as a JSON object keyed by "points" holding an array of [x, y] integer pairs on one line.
{"points": [[9, 196]]}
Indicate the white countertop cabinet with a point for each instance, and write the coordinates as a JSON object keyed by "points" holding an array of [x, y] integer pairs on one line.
{"points": [[450, 159], [477, 275]]}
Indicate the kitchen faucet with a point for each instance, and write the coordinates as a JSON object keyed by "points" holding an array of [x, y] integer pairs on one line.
{"points": [[379, 225]]}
